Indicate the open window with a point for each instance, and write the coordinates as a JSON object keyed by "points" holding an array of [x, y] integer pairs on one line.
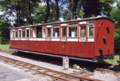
{"points": [[23, 33], [39, 32], [83, 30], [91, 30], [16, 34], [56, 32], [27, 31], [64, 31], [12, 34], [19, 33], [73, 31], [30, 33], [44, 32], [48, 32]]}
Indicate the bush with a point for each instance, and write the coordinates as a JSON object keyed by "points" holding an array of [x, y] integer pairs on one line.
{"points": [[4, 40]]}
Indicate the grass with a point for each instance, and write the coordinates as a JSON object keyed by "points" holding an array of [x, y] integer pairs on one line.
{"points": [[114, 61], [4, 46]]}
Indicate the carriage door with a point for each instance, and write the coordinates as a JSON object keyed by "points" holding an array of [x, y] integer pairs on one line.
{"points": [[63, 43], [19, 37], [83, 40], [49, 42]]}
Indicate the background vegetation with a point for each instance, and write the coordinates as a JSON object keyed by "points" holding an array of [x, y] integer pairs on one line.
{"points": [[16, 13]]}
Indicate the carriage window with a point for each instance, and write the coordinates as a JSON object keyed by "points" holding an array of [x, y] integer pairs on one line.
{"points": [[44, 32], [27, 33], [83, 31], [39, 31], [55, 32], [19, 33], [48, 32], [73, 31], [12, 34], [30, 33], [63, 31], [91, 30], [23, 33], [16, 34]]}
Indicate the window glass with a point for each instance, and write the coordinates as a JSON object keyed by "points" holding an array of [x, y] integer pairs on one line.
{"points": [[23, 33], [16, 33], [13, 35], [48, 32], [55, 32], [44, 33], [91, 30], [63, 31], [73, 31], [83, 31], [39, 31], [19, 33], [30, 33], [27, 33]]}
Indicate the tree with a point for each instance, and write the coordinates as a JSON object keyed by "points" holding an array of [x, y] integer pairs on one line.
{"points": [[74, 7], [48, 11], [55, 9], [4, 31], [19, 10], [114, 15], [97, 7]]}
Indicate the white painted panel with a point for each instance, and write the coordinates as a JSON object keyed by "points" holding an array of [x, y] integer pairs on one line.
{"points": [[83, 22], [19, 29], [63, 24], [48, 26], [72, 39], [82, 39], [13, 30], [63, 39], [90, 40], [55, 39], [23, 39], [32, 39], [27, 28], [72, 34], [40, 39], [16, 39]]}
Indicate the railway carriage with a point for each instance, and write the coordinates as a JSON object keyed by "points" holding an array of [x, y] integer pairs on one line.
{"points": [[88, 38]]}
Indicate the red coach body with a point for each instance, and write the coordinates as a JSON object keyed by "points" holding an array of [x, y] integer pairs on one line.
{"points": [[90, 38]]}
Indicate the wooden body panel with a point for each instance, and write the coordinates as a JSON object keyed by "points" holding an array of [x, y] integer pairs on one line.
{"points": [[64, 48], [100, 32], [88, 48]]}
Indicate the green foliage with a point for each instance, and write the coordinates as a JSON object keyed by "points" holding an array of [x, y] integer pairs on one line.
{"points": [[115, 15], [117, 34], [81, 13], [4, 31], [91, 33], [40, 15]]}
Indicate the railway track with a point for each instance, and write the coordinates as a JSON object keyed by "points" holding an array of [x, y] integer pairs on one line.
{"points": [[56, 75]]}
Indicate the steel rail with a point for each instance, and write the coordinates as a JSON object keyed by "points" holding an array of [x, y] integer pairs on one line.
{"points": [[25, 65]]}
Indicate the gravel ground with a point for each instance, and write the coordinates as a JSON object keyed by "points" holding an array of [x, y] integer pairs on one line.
{"points": [[39, 77], [32, 77], [105, 76]]}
